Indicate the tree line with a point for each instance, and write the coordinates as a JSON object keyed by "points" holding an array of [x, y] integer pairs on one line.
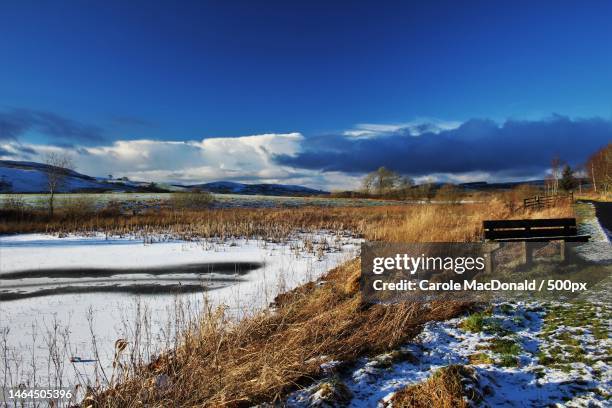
{"points": [[386, 183]]}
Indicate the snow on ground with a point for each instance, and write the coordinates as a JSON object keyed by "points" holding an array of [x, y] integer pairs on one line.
{"points": [[590, 225], [525, 355], [598, 248], [35, 262]]}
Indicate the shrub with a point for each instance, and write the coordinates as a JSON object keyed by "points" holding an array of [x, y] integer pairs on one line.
{"points": [[12, 202], [449, 193], [13, 206], [78, 206], [112, 208], [513, 199], [191, 200]]}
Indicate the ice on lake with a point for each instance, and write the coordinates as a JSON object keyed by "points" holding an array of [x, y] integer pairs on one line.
{"points": [[57, 294]]}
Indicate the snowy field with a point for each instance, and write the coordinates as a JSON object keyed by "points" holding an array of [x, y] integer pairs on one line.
{"points": [[57, 294], [156, 200], [523, 355], [143, 201]]}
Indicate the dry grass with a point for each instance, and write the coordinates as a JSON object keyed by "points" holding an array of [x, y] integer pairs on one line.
{"points": [[402, 223], [219, 362], [444, 389], [592, 196], [262, 357]]}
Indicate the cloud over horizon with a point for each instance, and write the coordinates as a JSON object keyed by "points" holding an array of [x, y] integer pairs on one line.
{"points": [[243, 158], [516, 148], [477, 149]]}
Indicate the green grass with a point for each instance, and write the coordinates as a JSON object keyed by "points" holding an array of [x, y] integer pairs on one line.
{"points": [[582, 316], [480, 358], [508, 350], [563, 324], [598, 331], [506, 308], [566, 368], [475, 322], [483, 322], [508, 360], [539, 373], [505, 346], [568, 338]]}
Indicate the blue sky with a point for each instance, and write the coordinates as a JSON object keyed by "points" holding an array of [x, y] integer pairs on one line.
{"points": [[92, 76]]}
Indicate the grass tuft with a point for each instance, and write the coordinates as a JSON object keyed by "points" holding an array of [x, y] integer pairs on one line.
{"points": [[446, 388]]}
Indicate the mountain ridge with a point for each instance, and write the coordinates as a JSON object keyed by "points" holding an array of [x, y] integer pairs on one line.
{"points": [[30, 177]]}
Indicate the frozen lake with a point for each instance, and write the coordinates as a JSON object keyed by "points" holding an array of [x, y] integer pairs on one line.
{"points": [[59, 294]]}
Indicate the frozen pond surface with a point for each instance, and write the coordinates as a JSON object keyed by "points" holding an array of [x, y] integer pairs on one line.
{"points": [[55, 293]]}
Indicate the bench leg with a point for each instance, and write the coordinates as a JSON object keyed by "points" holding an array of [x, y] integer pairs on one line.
{"points": [[564, 252], [526, 253], [488, 256], [489, 250]]}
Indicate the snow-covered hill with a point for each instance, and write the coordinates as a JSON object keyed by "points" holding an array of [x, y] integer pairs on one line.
{"points": [[230, 187], [31, 177]]}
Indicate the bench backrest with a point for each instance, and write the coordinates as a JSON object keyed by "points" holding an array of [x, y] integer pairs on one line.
{"points": [[552, 227]]}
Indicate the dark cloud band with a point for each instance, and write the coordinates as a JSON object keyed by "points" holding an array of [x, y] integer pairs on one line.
{"points": [[515, 147]]}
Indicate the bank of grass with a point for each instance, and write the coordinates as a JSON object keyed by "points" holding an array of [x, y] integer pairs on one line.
{"points": [[446, 388], [266, 355], [219, 362]]}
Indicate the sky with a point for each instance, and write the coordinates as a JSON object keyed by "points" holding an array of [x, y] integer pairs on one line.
{"points": [[306, 92]]}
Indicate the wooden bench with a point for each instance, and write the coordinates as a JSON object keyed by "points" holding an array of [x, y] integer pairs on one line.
{"points": [[534, 230]]}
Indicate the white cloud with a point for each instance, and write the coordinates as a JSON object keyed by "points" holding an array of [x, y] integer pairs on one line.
{"points": [[244, 158], [231, 158], [413, 128]]}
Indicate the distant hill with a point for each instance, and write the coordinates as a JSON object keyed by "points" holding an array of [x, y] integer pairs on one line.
{"points": [[483, 185], [230, 187], [30, 177]]}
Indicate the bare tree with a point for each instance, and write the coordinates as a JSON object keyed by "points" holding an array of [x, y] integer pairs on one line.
{"points": [[56, 171], [599, 166], [555, 167], [384, 181]]}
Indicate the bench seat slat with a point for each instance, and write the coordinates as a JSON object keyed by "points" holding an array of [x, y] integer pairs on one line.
{"points": [[544, 222], [574, 238], [550, 232], [549, 229]]}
